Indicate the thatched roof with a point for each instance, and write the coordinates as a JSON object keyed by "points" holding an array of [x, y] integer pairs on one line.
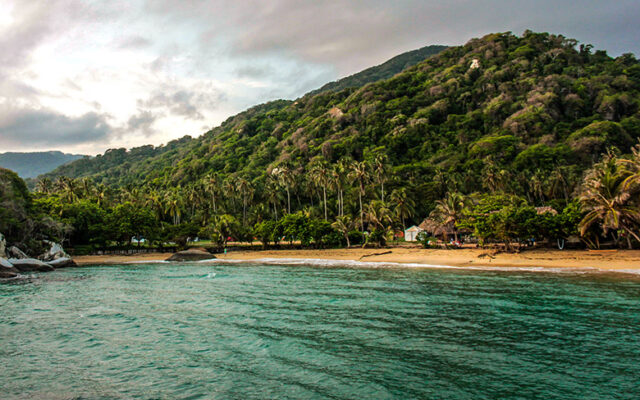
{"points": [[546, 209], [435, 228]]}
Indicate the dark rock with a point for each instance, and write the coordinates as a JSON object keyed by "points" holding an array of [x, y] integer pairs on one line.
{"points": [[191, 255], [62, 263], [15, 252], [3, 246], [55, 251], [7, 270], [30, 264]]}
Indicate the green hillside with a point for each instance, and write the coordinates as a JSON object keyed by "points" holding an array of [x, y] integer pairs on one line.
{"points": [[538, 108], [474, 137], [383, 71]]}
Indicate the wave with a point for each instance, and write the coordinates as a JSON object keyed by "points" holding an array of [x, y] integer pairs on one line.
{"points": [[383, 264]]}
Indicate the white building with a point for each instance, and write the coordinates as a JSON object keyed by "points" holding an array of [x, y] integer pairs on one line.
{"points": [[411, 234]]}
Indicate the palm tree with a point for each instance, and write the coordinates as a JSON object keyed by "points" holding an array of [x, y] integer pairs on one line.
{"points": [[404, 205], [212, 182], [631, 169], [44, 185], [246, 190], [380, 170], [339, 175], [379, 215], [321, 175], [286, 178], [360, 172], [607, 202], [343, 224], [448, 211], [229, 190], [173, 204], [272, 195]]}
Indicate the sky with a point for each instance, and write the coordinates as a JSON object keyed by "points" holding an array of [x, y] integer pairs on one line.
{"points": [[84, 76]]}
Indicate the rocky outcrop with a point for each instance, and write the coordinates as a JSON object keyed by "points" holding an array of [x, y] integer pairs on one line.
{"points": [[30, 265], [64, 262], [15, 252], [191, 255], [3, 246], [7, 270], [55, 251]]}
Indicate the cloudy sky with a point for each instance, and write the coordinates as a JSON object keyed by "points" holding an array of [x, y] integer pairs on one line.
{"points": [[84, 76]]}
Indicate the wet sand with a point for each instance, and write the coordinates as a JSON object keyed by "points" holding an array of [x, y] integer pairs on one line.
{"points": [[620, 260]]}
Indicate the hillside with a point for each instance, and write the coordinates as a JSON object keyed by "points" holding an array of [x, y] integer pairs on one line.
{"points": [[30, 165], [536, 112], [383, 71]]}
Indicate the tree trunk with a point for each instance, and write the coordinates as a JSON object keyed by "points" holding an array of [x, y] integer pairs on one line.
{"points": [[324, 194], [288, 201]]}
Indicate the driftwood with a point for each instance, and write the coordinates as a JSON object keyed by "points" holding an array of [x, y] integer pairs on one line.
{"points": [[376, 254]]}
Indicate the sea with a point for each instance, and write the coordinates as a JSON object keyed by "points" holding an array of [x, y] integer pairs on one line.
{"points": [[314, 330]]}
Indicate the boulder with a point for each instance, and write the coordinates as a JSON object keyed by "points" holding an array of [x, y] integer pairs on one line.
{"points": [[191, 255], [55, 251], [7, 270], [62, 263], [15, 252], [3, 246], [30, 264]]}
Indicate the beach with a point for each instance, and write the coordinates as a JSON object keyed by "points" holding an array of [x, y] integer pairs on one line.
{"points": [[621, 260]]}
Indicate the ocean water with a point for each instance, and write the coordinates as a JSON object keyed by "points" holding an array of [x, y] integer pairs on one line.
{"points": [[250, 331]]}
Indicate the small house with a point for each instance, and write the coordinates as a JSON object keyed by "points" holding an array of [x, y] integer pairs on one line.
{"points": [[411, 234]]}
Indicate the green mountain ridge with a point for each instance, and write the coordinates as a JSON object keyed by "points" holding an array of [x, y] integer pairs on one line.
{"points": [[32, 164], [385, 70], [530, 119]]}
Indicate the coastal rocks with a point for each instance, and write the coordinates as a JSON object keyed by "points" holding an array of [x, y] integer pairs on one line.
{"points": [[7, 270], [30, 264], [3, 246], [55, 252], [191, 255], [16, 253], [63, 262]]}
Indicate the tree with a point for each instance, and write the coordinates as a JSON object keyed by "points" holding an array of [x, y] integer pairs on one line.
{"points": [[321, 175], [211, 184], [343, 224], [360, 172], [404, 205], [448, 211], [245, 189], [607, 202]]}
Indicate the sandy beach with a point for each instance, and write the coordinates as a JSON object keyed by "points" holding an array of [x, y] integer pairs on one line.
{"points": [[543, 258]]}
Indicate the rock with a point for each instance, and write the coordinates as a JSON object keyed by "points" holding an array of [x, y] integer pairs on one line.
{"points": [[62, 263], [3, 246], [7, 270], [55, 251], [15, 252], [30, 264], [191, 255]]}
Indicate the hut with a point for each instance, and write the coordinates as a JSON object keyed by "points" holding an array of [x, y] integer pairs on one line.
{"points": [[411, 234], [446, 232]]}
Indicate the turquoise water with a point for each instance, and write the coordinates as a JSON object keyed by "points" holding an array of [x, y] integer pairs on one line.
{"points": [[199, 331]]}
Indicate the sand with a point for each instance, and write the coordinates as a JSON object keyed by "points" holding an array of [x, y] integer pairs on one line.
{"points": [[622, 260]]}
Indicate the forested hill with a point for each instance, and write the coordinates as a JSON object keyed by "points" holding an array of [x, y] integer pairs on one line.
{"points": [[30, 165], [525, 115], [383, 71]]}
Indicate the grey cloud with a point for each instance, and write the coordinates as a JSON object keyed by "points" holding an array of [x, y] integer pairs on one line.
{"points": [[142, 122], [184, 102], [352, 35], [42, 128], [254, 71], [134, 42]]}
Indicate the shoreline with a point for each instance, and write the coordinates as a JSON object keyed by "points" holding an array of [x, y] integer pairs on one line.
{"points": [[624, 261]]}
